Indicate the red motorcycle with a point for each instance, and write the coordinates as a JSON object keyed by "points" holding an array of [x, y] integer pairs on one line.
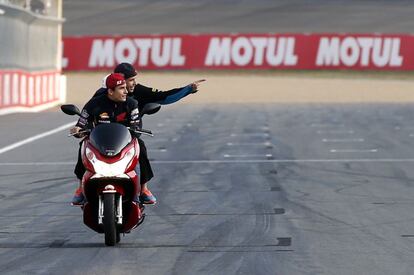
{"points": [[110, 183]]}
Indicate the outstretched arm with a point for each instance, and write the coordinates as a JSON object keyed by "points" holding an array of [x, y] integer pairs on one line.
{"points": [[146, 94]]}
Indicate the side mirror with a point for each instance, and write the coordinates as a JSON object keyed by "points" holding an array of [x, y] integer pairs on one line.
{"points": [[149, 109], [70, 109]]}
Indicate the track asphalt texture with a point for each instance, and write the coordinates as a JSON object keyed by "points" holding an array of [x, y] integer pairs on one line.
{"points": [[242, 189], [111, 17]]}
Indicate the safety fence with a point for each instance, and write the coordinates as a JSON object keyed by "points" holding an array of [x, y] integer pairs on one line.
{"points": [[22, 91], [30, 56], [242, 51]]}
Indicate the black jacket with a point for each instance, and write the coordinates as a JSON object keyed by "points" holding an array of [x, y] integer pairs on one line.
{"points": [[101, 109], [146, 95]]}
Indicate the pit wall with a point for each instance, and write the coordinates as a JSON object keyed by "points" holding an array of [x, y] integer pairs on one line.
{"points": [[30, 59], [384, 52]]}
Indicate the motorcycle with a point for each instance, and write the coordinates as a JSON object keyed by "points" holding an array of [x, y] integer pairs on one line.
{"points": [[110, 153]]}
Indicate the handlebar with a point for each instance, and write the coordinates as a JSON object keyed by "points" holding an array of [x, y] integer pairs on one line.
{"points": [[138, 131], [142, 131]]}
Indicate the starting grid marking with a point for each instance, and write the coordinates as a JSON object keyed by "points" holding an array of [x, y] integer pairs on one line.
{"points": [[353, 150], [335, 132], [343, 140], [366, 160], [246, 156]]}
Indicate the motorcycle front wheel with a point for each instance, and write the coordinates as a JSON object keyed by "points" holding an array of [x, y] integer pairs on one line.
{"points": [[109, 219]]}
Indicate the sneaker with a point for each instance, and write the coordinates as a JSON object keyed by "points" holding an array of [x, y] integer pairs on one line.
{"points": [[78, 198], [147, 197], [136, 199]]}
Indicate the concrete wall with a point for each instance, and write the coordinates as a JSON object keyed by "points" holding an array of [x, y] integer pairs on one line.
{"points": [[29, 41], [30, 56]]}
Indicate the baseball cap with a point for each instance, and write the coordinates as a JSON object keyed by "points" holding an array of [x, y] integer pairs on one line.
{"points": [[114, 80]]}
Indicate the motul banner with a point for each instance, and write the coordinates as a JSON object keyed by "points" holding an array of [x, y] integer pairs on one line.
{"points": [[242, 51]]}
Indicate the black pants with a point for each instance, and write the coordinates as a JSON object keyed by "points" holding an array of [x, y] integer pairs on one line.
{"points": [[144, 165]]}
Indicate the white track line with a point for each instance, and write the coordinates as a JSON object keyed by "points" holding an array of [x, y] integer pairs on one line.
{"points": [[249, 144], [343, 140], [372, 160], [157, 150], [246, 156], [36, 137], [335, 132], [250, 135], [353, 150], [321, 125]]}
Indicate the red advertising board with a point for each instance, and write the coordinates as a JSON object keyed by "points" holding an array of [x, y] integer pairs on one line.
{"points": [[242, 51], [30, 91]]}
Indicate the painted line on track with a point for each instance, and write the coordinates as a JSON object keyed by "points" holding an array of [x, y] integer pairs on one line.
{"points": [[36, 137], [372, 160], [157, 150], [250, 135], [246, 156], [249, 144], [343, 140], [335, 132], [353, 150], [321, 125]]}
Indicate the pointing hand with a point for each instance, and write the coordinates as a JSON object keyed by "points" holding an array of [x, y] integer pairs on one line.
{"points": [[195, 85]]}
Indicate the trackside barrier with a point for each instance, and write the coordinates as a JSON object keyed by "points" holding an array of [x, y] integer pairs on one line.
{"points": [[30, 92], [393, 52], [30, 56]]}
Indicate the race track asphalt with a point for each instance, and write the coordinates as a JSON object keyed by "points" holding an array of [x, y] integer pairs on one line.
{"points": [[111, 17], [242, 189]]}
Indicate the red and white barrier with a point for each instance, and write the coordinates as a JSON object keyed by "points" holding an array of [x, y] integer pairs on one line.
{"points": [[30, 92], [242, 51]]}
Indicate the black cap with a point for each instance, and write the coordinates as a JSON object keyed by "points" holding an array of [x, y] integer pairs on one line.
{"points": [[126, 69]]}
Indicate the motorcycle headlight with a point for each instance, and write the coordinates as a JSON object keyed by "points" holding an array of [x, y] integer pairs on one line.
{"points": [[116, 169]]}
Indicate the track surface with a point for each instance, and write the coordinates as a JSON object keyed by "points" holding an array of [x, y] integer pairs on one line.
{"points": [[108, 17], [242, 189]]}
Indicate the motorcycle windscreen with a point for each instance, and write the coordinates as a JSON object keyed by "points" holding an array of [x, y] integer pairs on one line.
{"points": [[110, 138]]}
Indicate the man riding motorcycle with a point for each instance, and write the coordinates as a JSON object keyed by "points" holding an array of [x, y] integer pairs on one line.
{"points": [[143, 95], [114, 106]]}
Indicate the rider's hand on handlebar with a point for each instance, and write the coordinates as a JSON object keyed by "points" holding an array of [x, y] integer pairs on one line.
{"points": [[195, 85], [75, 132], [135, 125]]}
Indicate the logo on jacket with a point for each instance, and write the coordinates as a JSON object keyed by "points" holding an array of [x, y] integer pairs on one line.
{"points": [[104, 116]]}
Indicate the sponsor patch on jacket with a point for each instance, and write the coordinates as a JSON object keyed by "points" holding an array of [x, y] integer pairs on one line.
{"points": [[84, 113], [104, 116], [134, 112], [82, 121]]}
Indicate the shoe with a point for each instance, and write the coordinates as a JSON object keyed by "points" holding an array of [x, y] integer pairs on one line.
{"points": [[147, 197], [136, 199], [78, 198]]}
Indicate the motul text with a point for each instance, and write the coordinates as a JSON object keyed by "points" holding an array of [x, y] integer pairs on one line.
{"points": [[242, 51]]}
